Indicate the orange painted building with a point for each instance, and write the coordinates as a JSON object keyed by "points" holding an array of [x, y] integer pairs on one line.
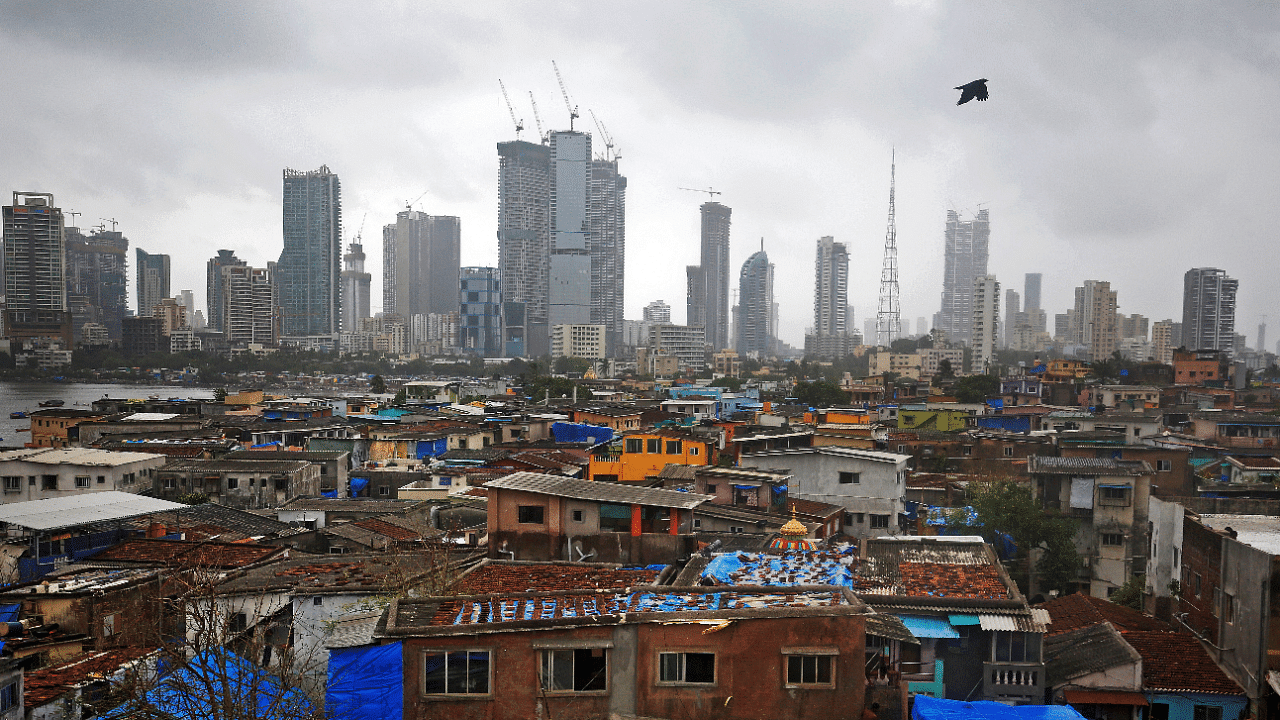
{"points": [[53, 428], [636, 456]]}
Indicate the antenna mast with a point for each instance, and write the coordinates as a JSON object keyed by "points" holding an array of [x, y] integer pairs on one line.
{"points": [[889, 315]]}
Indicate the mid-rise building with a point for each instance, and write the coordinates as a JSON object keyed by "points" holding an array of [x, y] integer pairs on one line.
{"points": [[1162, 346], [524, 239], [213, 292], [755, 307], [686, 343], [153, 281], [986, 322], [966, 246], [1133, 326], [307, 276], [480, 330], [1014, 318], [97, 280], [1208, 309], [708, 282], [355, 288], [657, 311], [35, 282], [172, 315], [142, 336], [249, 309], [426, 256], [580, 341]]}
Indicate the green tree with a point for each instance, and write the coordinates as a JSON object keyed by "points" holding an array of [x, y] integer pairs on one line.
{"points": [[820, 393], [732, 384], [220, 395], [945, 371], [977, 388], [1009, 507], [402, 396], [377, 385], [1130, 594], [566, 365]]}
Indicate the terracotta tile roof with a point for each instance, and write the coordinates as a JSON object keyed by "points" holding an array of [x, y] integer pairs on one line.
{"points": [[956, 581], [1072, 612], [1177, 662], [394, 530], [1262, 463], [503, 578], [181, 553], [354, 573], [45, 684]]}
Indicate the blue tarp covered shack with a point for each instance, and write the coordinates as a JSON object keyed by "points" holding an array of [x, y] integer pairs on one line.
{"points": [[576, 433], [366, 683], [931, 708]]}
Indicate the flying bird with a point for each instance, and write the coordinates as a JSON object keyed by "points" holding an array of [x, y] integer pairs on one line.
{"points": [[975, 89]]}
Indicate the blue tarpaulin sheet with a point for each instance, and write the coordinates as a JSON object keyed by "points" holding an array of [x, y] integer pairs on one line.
{"points": [[196, 690], [577, 433], [329, 493], [366, 683], [929, 627], [931, 708], [9, 613], [358, 484], [957, 620]]}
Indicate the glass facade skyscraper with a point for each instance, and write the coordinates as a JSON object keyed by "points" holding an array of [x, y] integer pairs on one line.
{"points": [[307, 276]]}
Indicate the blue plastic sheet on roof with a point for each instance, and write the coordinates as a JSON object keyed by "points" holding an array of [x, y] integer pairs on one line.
{"points": [[929, 627], [966, 516], [931, 708], [9, 613], [779, 489], [195, 690], [576, 433], [366, 683], [747, 487], [329, 493], [358, 484], [957, 620]]}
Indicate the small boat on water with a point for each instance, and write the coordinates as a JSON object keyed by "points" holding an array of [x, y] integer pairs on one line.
{"points": [[17, 415], [51, 403]]}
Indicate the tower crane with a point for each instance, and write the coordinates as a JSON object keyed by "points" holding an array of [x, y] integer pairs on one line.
{"points": [[74, 215], [711, 194], [113, 222], [573, 109], [360, 232], [542, 137], [408, 204], [604, 135], [518, 123]]}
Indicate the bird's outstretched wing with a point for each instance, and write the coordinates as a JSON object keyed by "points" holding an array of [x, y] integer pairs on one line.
{"points": [[969, 91]]}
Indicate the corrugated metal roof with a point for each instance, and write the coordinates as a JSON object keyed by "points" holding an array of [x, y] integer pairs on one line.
{"points": [[1009, 623], [89, 457], [1094, 466], [598, 491], [149, 417], [889, 626], [85, 509]]}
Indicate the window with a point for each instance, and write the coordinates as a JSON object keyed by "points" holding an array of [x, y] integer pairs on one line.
{"points": [[653, 446], [694, 668], [13, 483], [1229, 608], [902, 448], [9, 696], [879, 521], [849, 478], [577, 516], [711, 488], [108, 626], [859, 517], [1164, 466], [697, 523], [1008, 451], [102, 479], [48, 482], [233, 483], [1217, 602], [167, 483], [1112, 539], [1159, 711], [384, 490], [463, 672], [584, 670], [1197, 579], [281, 483], [82, 481], [736, 529], [1016, 647], [674, 447], [634, 445], [317, 600], [239, 622], [530, 514], [810, 671], [1115, 495], [693, 451], [1206, 712], [966, 450]]}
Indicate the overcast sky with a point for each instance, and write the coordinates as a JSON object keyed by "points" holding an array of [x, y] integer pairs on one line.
{"points": [[1125, 142]]}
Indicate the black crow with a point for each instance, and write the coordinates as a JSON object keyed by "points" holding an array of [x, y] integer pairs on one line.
{"points": [[975, 89]]}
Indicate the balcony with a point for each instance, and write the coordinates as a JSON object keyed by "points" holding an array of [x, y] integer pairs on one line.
{"points": [[1013, 680]]}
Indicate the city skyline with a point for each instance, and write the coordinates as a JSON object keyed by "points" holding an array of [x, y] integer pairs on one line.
{"points": [[1052, 178]]}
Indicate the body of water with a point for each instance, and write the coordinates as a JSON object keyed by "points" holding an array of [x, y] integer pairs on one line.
{"points": [[28, 396]]}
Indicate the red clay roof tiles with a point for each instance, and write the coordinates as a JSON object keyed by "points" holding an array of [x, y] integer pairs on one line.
{"points": [[174, 553], [45, 684], [1177, 662], [1072, 612], [956, 581]]}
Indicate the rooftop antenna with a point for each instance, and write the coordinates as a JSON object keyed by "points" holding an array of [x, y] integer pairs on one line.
{"points": [[113, 222], [573, 109], [518, 123], [889, 314], [542, 137], [711, 194]]}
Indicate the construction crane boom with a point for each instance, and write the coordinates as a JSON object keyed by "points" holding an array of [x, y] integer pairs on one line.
{"points": [[604, 135], [408, 204], [711, 194], [113, 222], [360, 232], [542, 137], [518, 123], [573, 109], [74, 215]]}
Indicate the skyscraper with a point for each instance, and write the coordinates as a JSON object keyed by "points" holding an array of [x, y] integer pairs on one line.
{"points": [[1208, 309], [524, 241], [1094, 321], [389, 269], [986, 322], [427, 259], [307, 277], [153, 281], [708, 282], [1037, 320], [97, 279], [755, 306], [355, 289], [35, 269], [1012, 311], [569, 294], [830, 288], [214, 287], [606, 246], [966, 244], [657, 311]]}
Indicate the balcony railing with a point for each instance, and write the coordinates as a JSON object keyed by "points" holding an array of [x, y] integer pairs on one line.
{"points": [[1013, 678]]}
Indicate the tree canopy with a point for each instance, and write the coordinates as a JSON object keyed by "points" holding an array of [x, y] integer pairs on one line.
{"points": [[977, 388], [820, 393]]}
